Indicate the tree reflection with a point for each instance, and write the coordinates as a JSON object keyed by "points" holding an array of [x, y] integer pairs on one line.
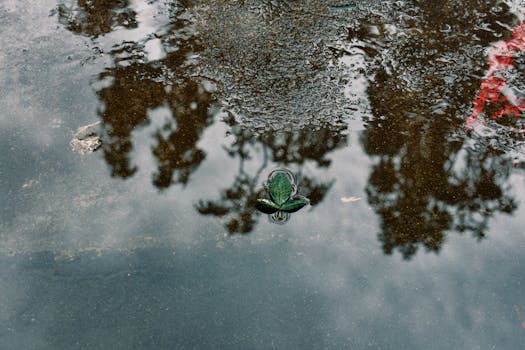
{"points": [[96, 17], [138, 86], [423, 184], [135, 86], [289, 149], [428, 64]]}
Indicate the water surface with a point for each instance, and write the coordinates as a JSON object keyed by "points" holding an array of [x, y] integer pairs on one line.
{"points": [[414, 236]]}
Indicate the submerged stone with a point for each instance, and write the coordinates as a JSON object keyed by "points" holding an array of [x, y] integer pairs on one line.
{"points": [[86, 139]]}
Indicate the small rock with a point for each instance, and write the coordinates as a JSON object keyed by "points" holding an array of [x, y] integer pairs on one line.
{"points": [[86, 139]]}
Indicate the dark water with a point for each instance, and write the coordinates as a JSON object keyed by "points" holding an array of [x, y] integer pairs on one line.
{"points": [[414, 237]]}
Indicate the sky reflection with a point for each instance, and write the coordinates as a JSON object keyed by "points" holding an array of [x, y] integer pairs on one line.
{"points": [[426, 180], [159, 256]]}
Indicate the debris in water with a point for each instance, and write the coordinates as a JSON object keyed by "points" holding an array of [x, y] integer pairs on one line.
{"points": [[29, 184], [86, 139], [350, 199], [495, 89], [342, 7], [282, 188]]}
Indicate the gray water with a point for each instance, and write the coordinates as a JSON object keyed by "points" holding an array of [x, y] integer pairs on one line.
{"points": [[414, 235]]}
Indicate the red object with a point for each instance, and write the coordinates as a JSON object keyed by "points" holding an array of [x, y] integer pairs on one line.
{"points": [[501, 58]]}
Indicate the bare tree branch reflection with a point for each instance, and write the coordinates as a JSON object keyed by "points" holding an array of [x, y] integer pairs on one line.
{"points": [[288, 149]]}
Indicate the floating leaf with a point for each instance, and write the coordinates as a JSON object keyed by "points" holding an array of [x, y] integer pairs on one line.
{"points": [[295, 204], [280, 189], [266, 206]]}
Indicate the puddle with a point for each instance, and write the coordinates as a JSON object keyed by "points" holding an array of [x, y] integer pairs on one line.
{"points": [[400, 122]]}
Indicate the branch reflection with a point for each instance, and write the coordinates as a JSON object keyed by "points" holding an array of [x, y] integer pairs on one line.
{"points": [[288, 149]]}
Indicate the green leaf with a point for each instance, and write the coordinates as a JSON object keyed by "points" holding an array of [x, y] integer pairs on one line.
{"points": [[295, 204], [280, 189], [266, 206]]}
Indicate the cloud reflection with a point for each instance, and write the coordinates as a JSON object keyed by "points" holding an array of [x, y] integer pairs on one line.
{"points": [[424, 72], [290, 149]]}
